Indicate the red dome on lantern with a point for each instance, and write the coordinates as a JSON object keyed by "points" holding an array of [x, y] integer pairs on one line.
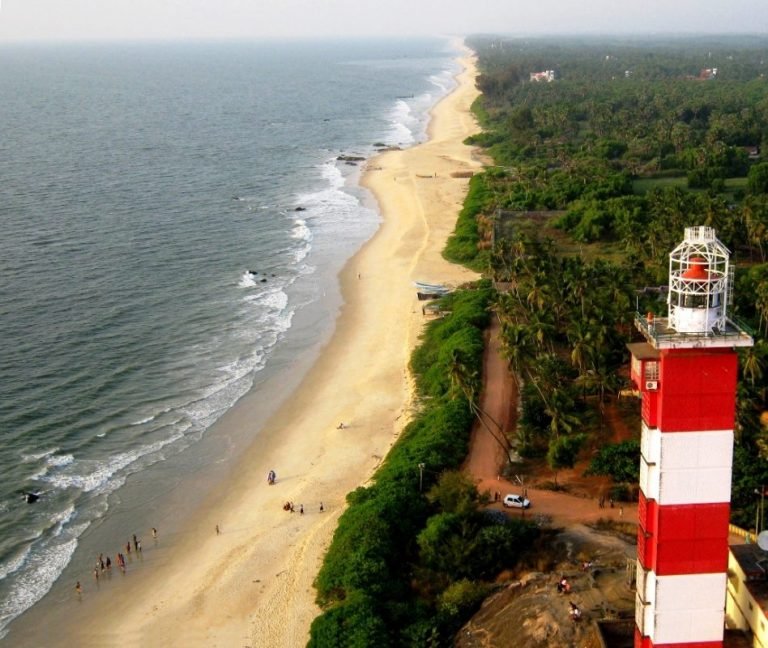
{"points": [[696, 271]]}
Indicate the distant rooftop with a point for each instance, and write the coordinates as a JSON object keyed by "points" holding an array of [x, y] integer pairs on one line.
{"points": [[754, 562]]}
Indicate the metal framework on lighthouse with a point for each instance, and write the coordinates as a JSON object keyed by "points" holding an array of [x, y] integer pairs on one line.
{"points": [[686, 372], [699, 279]]}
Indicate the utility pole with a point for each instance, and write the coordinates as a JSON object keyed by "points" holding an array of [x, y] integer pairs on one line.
{"points": [[421, 475]]}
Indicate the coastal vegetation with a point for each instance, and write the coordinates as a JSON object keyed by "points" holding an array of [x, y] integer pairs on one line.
{"points": [[598, 173], [415, 552]]}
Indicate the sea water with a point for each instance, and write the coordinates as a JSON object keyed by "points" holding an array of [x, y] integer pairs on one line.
{"points": [[169, 212]]}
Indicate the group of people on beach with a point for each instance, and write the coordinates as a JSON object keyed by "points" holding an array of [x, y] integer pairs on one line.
{"points": [[104, 563], [289, 506]]}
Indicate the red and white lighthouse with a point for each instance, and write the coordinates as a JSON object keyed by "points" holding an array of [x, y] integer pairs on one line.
{"points": [[686, 371]]}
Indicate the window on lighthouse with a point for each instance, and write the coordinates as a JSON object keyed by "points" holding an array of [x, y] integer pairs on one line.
{"points": [[651, 370], [695, 301]]}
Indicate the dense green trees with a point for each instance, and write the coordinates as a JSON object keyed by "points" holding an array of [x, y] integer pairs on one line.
{"points": [[631, 147]]}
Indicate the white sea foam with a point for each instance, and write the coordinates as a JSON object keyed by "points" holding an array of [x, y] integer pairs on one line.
{"points": [[60, 460], [301, 231], [38, 564], [331, 204], [39, 474], [274, 300], [36, 456], [14, 562], [91, 474], [402, 124], [247, 280], [444, 81], [150, 418], [31, 582]]}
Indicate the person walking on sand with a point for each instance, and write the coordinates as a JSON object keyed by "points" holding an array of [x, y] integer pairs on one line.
{"points": [[301, 509], [218, 531], [154, 533], [321, 507], [78, 588]]}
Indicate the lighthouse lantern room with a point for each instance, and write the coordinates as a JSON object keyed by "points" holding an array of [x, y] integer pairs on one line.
{"points": [[686, 371], [699, 280]]}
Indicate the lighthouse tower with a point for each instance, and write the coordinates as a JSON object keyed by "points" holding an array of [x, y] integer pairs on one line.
{"points": [[686, 371]]}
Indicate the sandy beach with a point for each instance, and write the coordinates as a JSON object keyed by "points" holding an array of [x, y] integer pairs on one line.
{"points": [[251, 585]]}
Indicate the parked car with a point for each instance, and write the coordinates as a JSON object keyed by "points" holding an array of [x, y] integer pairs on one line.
{"points": [[516, 501]]}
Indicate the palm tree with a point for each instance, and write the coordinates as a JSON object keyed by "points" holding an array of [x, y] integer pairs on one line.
{"points": [[761, 304], [540, 323], [466, 381], [600, 380], [582, 350], [518, 348], [752, 363], [559, 407]]}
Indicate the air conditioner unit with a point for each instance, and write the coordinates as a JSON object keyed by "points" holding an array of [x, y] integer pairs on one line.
{"points": [[651, 385]]}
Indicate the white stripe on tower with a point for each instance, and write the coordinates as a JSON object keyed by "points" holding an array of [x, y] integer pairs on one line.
{"points": [[686, 467]]}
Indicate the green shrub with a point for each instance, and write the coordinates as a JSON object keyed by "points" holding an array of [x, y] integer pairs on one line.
{"points": [[620, 461], [462, 246], [356, 623]]}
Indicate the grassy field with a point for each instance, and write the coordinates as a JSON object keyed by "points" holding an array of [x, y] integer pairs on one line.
{"points": [[642, 186]]}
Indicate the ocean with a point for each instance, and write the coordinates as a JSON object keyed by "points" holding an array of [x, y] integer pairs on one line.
{"points": [[173, 218]]}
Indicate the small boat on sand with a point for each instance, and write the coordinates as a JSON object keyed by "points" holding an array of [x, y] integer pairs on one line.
{"points": [[431, 288]]}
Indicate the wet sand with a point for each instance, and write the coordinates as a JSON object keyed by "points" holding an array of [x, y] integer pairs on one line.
{"points": [[251, 585]]}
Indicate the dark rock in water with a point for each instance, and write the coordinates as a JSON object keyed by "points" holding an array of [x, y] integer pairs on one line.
{"points": [[263, 281], [300, 209], [351, 163], [350, 158], [253, 272], [30, 498]]}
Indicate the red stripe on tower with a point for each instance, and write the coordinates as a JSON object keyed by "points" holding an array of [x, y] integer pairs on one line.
{"points": [[686, 371]]}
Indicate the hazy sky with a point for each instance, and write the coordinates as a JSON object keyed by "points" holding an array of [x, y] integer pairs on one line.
{"points": [[153, 19]]}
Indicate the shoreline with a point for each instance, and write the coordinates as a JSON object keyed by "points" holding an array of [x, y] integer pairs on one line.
{"points": [[252, 584]]}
